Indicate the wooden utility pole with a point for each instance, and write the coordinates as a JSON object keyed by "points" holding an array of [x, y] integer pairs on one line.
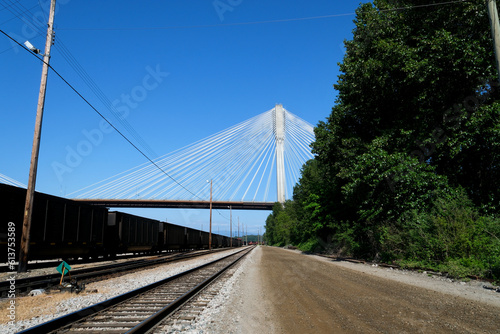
{"points": [[495, 31], [210, 234], [28, 208], [231, 225]]}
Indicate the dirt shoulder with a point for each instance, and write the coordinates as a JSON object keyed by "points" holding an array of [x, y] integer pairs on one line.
{"points": [[247, 310], [283, 291], [473, 289]]}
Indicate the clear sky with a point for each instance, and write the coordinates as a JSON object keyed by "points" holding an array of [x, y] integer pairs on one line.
{"points": [[180, 70]]}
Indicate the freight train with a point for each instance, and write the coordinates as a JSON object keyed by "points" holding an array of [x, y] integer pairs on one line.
{"points": [[62, 228]]}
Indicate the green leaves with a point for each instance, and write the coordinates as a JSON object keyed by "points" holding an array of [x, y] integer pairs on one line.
{"points": [[407, 164]]}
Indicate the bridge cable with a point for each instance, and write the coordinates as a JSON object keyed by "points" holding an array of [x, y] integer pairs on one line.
{"points": [[97, 111]]}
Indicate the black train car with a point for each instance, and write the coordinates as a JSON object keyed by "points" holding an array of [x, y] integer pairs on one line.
{"points": [[193, 238], [205, 237], [216, 241], [174, 237], [237, 242], [225, 241], [222, 241], [162, 236], [131, 234], [60, 228]]}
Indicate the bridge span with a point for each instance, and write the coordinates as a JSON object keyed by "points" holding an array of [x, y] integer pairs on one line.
{"points": [[177, 204]]}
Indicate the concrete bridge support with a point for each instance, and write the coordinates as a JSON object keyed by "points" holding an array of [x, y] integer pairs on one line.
{"points": [[279, 133]]}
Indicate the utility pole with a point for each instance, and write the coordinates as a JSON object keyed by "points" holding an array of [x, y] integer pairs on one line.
{"points": [[210, 234], [495, 31], [231, 225], [238, 227], [30, 192]]}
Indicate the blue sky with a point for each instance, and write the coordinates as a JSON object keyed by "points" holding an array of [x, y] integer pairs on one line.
{"points": [[180, 70]]}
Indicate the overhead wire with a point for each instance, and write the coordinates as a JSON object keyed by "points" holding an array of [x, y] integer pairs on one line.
{"points": [[43, 11], [263, 21], [82, 73], [222, 143], [16, 16], [97, 111]]}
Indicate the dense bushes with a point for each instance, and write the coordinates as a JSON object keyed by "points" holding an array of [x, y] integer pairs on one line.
{"points": [[406, 166]]}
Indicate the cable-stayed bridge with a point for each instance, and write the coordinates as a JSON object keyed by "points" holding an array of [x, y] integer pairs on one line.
{"points": [[250, 165], [7, 180]]}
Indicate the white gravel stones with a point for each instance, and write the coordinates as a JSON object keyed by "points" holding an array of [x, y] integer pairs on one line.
{"points": [[205, 322], [36, 292], [111, 288]]}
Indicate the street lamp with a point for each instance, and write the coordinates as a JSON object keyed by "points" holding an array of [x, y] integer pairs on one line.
{"points": [[32, 48]]}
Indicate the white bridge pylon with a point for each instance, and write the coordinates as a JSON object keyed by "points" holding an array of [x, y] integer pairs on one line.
{"points": [[247, 162], [279, 134]]}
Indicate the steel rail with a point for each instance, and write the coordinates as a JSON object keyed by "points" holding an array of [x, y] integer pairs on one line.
{"points": [[44, 281], [62, 323], [156, 318]]}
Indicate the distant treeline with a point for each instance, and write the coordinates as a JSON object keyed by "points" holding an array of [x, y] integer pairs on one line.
{"points": [[251, 238], [407, 165]]}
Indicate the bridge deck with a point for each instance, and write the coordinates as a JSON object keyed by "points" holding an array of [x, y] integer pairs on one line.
{"points": [[180, 204]]}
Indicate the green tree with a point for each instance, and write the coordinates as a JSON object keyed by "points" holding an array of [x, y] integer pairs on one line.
{"points": [[414, 135], [309, 204], [280, 224], [415, 118]]}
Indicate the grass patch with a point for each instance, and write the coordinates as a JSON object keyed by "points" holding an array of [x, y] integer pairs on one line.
{"points": [[311, 246], [454, 268]]}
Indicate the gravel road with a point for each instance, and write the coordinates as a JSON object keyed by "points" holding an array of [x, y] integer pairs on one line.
{"points": [[282, 291]]}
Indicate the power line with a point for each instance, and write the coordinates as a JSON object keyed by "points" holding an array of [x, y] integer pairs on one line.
{"points": [[41, 8], [259, 22], [16, 16], [99, 113], [6, 7], [102, 116], [80, 71]]}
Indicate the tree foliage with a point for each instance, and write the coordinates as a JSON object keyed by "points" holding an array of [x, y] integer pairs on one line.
{"points": [[406, 165]]}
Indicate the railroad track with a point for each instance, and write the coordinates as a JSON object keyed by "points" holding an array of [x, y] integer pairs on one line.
{"points": [[93, 274], [42, 264], [184, 318], [142, 309]]}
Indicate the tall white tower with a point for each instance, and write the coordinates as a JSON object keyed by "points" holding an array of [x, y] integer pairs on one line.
{"points": [[279, 133]]}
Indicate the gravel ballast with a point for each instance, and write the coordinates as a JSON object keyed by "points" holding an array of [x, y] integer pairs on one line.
{"points": [[110, 288], [243, 304]]}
